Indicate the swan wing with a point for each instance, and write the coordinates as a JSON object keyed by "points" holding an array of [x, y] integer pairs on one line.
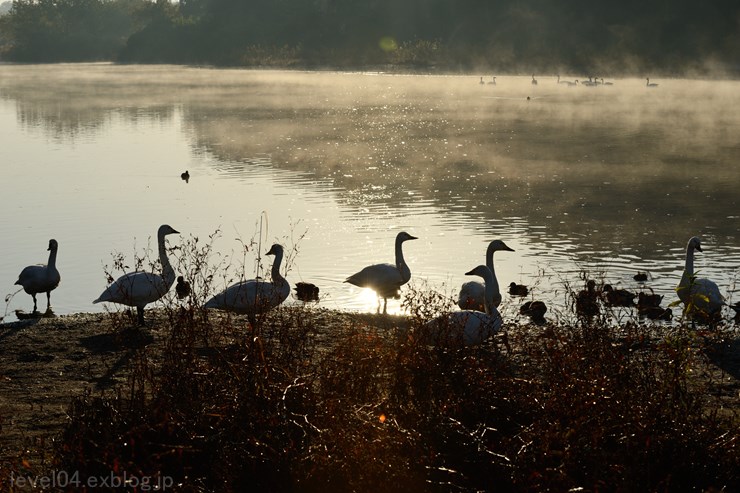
{"points": [[38, 278], [250, 297], [470, 326], [385, 279], [472, 296], [135, 289]]}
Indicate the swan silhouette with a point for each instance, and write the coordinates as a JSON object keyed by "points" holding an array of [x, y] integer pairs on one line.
{"points": [[141, 288], [534, 81], [701, 297], [255, 296], [472, 293], [41, 278], [650, 84], [385, 279]]}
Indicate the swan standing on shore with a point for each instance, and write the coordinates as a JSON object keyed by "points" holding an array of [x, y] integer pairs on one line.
{"points": [[385, 279], [41, 278], [255, 296], [472, 326], [472, 293], [141, 288], [700, 296]]}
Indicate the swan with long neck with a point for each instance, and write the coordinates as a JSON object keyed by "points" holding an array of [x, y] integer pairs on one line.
{"points": [[141, 288], [255, 296], [41, 278], [385, 279], [472, 293], [700, 296], [471, 326]]}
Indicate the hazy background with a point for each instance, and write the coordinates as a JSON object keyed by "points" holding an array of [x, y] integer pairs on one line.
{"points": [[608, 180], [583, 37]]}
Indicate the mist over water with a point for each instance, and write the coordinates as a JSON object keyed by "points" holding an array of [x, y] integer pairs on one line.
{"points": [[610, 179]]}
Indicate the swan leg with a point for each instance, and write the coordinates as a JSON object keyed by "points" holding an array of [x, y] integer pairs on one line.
{"points": [[385, 306], [34, 302], [48, 300], [140, 313]]}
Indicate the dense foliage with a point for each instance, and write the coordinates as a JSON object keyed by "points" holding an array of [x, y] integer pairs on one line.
{"points": [[502, 35]]}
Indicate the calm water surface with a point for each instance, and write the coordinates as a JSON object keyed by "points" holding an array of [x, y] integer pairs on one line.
{"points": [[608, 180]]}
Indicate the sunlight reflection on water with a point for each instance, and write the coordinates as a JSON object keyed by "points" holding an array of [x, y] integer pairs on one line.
{"points": [[609, 182]]}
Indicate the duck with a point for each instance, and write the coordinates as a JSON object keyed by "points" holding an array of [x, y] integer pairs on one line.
{"points": [[535, 310], [185, 176], [182, 288], [255, 296], [640, 276], [42, 278], [655, 312], [305, 291], [534, 81], [472, 327], [141, 288], [472, 293], [701, 297], [518, 289], [385, 279], [645, 300], [650, 84], [587, 300], [617, 297]]}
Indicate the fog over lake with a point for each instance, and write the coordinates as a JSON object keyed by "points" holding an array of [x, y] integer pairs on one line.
{"points": [[609, 179]]}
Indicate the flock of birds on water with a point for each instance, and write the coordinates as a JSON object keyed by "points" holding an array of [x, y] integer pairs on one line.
{"points": [[477, 320], [591, 82]]}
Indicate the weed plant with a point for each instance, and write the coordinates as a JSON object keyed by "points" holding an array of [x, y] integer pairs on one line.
{"points": [[314, 400]]}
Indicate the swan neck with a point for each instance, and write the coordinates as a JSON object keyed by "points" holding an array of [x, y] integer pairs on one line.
{"points": [[491, 288], [400, 263], [489, 263], [168, 273], [52, 258], [276, 276], [689, 268]]}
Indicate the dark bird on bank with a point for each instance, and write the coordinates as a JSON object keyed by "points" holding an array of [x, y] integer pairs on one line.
{"points": [[645, 300], [185, 176], [534, 310], [182, 288], [587, 304], [518, 289], [305, 291], [640, 276], [655, 312], [41, 278], [385, 279], [617, 297]]}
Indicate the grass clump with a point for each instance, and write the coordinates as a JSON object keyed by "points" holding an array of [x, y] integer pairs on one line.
{"points": [[314, 400]]}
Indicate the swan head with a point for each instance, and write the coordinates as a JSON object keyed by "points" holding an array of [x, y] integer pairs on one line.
{"points": [[480, 271], [275, 249], [404, 236], [53, 245], [694, 244], [498, 245], [591, 285], [607, 288], [165, 230]]}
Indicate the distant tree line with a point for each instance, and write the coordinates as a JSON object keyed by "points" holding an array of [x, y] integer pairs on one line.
{"points": [[579, 36]]}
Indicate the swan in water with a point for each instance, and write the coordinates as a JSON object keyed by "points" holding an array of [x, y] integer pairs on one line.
{"points": [[41, 278], [700, 296], [141, 288], [481, 81], [534, 81], [255, 296], [472, 293], [493, 81], [472, 326], [385, 279], [650, 84]]}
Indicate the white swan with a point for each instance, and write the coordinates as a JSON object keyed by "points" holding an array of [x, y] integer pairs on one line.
{"points": [[41, 278], [472, 293], [650, 84], [472, 326], [141, 288], [385, 279], [255, 296], [700, 296]]}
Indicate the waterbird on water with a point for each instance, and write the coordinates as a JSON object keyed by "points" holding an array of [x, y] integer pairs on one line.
{"points": [[41, 278], [518, 289], [650, 84], [493, 81], [701, 297], [385, 279], [141, 288], [534, 81], [185, 176]]}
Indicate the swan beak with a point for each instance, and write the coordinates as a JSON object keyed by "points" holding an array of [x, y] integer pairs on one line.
{"points": [[698, 248], [509, 249], [470, 273], [415, 238], [175, 231]]}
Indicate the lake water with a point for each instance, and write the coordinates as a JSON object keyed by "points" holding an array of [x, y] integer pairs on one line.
{"points": [[609, 180]]}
